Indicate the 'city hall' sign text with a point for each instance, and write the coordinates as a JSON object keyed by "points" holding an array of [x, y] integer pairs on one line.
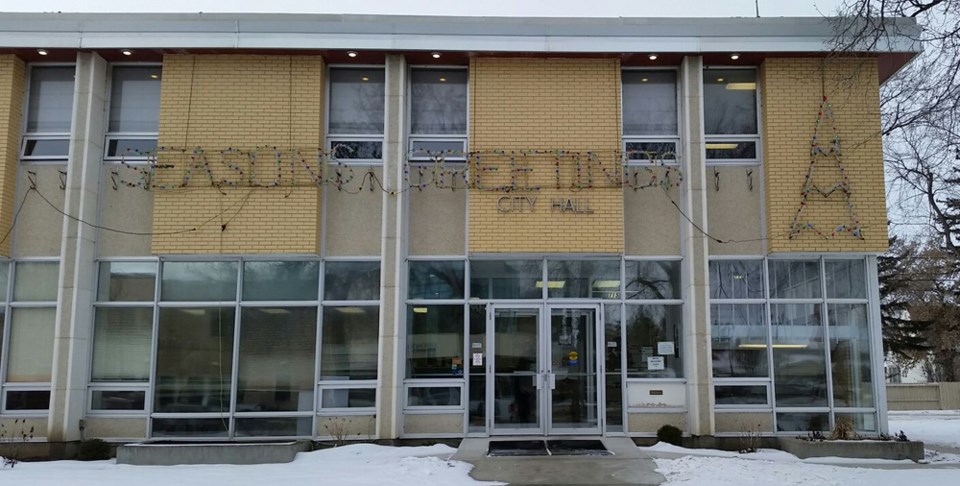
{"points": [[526, 204]]}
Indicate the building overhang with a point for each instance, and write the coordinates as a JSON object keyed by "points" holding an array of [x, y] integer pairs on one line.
{"points": [[753, 38]]}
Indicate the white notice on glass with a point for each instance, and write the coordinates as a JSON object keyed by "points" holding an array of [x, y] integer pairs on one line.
{"points": [[478, 359], [665, 348], [475, 345], [655, 363]]}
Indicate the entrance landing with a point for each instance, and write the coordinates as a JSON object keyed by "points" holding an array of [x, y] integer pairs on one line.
{"points": [[624, 463], [554, 447]]}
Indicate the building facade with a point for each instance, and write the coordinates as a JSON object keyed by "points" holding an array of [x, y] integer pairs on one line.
{"points": [[253, 226]]}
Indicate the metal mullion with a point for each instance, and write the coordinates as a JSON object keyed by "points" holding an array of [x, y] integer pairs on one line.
{"points": [[235, 352], [467, 353], [825, 323], [769, 325], [318, 341], [200, 304], [350, 303], [154, 345], [427, 302], [123, 303], [278, 303]]}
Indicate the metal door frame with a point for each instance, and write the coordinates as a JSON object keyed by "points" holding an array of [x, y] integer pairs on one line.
{"points": [[544, 376]]}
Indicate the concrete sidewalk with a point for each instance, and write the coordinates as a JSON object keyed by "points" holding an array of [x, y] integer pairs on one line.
{"points": [[627, 465]]}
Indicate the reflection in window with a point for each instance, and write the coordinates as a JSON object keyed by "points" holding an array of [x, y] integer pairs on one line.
{"points": [[349, 347], [30, 352], [199, 281], [356, 101], [846, 279], [736, 279], [36, 281], [285, 280], [276, 359], [850, 355], [436, 279], [740, 394], [127, 281], [800, 374], [506, 279], [649, 103], [443, 396], [594, 279], [194, 361], [652, 279], [351, 281], [738, 334], [792, 279], [438, 101], [730, 101], [653, 337], [434, 341]]}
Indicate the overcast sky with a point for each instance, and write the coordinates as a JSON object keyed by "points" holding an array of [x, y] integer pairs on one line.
{"points": [[552, 8]]}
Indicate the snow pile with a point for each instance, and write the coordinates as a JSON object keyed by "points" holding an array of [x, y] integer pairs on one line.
{"points": [[940, 427], [353, 465]]}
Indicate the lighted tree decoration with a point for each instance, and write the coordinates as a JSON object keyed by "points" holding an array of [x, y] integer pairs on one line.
{"points": [[832, 152]]}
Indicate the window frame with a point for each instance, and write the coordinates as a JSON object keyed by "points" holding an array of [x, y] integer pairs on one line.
{"points": [[413, 138], [9, 305], [110, 136], [674, 139], [756, 138], [332, 140], [26, 136]]}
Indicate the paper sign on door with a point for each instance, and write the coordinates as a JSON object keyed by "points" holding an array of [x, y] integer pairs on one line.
{"points": [[655, 363], [477, 359]]}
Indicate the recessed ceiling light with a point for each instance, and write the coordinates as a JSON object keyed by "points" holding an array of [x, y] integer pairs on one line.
{"points": [[443, 80], [644, 80], [652, 57], [43, 52], [154, 76], [364, 79], [719, 80], [126, 52], [436, 55], [351, 53], [734, 56]]}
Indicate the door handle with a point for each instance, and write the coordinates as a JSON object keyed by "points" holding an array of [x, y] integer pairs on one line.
{"points": [[553, 380]]}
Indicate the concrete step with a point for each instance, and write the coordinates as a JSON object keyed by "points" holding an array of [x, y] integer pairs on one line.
{"points": [[171, 453]]}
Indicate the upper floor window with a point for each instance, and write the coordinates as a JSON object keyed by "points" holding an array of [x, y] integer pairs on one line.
{"points": [[134, 111], [49, 113], [730, 115], [650, 115], [355, 116], [438, 113]]}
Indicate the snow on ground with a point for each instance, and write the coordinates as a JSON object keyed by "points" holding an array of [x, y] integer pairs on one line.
{"points": [[939, 427], [352, 465], [730, 471]]}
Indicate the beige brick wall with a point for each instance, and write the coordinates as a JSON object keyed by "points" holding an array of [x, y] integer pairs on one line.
{"points": [[519, 104], [12, 79], [791, 96], [240, 102]]}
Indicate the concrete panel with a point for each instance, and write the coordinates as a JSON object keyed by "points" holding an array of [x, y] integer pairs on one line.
{"points": [[115, 428], [742, 422], [651, 224], [35, 427], [441, 423], [648, 423], [354, 427], [237, 453], [861, 449], [39, 226], [733, 209], [124, 208], [353, 214], [438, 221], [656, 395]]}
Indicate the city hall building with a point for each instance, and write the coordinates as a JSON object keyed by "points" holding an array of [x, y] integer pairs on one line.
{"points": [[241, 227]]}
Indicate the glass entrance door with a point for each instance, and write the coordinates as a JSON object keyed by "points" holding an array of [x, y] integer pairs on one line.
{"points": [[574, 401], [517, 381]]}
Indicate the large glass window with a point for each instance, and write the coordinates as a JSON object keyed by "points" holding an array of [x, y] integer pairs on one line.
{"points": [[653, 341], [594, 279], [652, 279], [506, 279], [351, 281], [349, 348], [433, 279], [818, 340], [27, 326], [730, 115], [356, 114], [49, 113], [650, 115], [276, 359], [438, 113], [134, 112], [435, 341]]}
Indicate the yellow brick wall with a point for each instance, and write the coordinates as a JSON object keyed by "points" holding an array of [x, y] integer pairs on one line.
{"points": [[792, 90], [12, 79], [519, 104], [240, 102]]}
